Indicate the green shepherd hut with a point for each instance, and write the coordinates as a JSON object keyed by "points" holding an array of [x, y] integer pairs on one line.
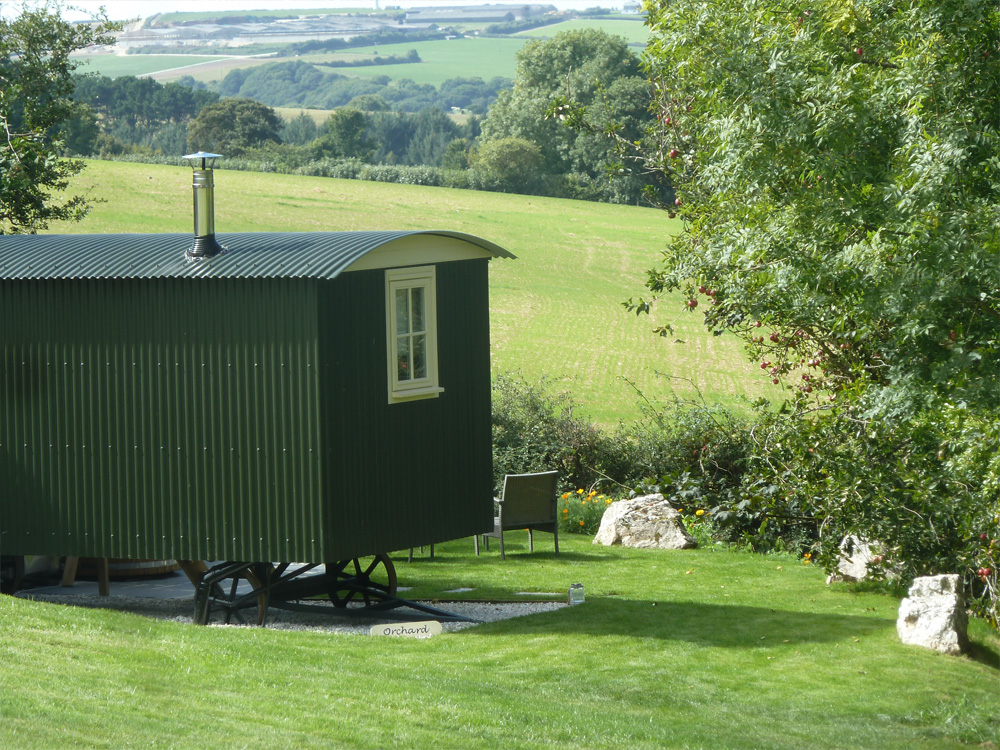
{"points": [[252, 396]]}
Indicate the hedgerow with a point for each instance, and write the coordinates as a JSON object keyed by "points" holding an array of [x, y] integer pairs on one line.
{"points": [[794, 479]]}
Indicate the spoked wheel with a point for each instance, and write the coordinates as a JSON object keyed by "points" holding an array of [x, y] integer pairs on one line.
{"points": [[233, 591], [367, 580]]}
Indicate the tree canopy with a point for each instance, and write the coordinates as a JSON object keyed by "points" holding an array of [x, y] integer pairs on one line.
{"points": [[36, 86], [838, 173], [344, 137], [232, 126], [593, 68], [837, 168]]}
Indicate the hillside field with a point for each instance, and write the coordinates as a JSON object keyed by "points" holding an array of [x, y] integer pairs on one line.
{"points": [[469, 57], [633, 31], [556, 310]]}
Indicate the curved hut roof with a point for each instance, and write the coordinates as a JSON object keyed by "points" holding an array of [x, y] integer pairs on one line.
{"points": [[302, 255]]}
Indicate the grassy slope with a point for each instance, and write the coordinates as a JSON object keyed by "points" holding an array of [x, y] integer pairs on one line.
{"points": [[556, 311], [693, 649]]}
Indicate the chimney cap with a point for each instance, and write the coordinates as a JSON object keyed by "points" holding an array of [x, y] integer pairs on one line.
{"points": [[203, 155]]}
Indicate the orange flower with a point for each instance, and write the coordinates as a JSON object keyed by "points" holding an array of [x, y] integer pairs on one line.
{"points": [[582, 523]]}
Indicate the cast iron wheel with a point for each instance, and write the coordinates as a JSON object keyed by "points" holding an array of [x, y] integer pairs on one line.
{"points": [[362, 579], [11, 573], [222, 607]]}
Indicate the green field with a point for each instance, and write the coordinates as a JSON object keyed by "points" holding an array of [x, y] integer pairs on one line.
{"points": [[556, 312], [471, 57], [634, 32], [708, 649], [165, 67], [442, 59]]}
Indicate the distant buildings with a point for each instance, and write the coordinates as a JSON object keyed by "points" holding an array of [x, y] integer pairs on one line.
{"points": [[476, 13]]}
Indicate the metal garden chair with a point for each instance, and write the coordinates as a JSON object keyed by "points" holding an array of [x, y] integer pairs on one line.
{"points": [[528, 502]]}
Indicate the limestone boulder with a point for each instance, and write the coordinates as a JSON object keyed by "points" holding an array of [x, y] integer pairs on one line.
{"points": [[933, 615], [856, 554], [647, 522]]}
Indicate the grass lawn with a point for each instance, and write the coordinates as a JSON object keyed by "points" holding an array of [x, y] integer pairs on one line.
{"points": [[696, 649], [555, 311]]}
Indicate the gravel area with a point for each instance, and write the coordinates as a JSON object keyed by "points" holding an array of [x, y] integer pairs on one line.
{"points": [[329, 620]]}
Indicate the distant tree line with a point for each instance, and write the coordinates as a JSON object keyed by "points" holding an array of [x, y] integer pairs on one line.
{"points": [[398, 126], [117, 115], [525, 24], [300, 84], [385, 36], [410, 57]]}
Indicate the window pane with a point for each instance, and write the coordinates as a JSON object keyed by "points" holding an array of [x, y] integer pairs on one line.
{"points": [[402, 311], [419, 356], [403, 372], [417, 299]]}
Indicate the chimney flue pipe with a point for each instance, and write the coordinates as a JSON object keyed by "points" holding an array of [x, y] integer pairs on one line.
{"points": [[203, 184]]}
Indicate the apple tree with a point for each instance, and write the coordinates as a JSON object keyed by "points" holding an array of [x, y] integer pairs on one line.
{"points": [[36, 106], [837, 169]]}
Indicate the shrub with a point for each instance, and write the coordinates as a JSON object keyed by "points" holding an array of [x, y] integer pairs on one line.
{"points": [[927, 489], [797, 481], [580, 511], [535, 431]]}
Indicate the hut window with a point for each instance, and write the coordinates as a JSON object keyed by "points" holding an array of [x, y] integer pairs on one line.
{"points": [[411, 337]]}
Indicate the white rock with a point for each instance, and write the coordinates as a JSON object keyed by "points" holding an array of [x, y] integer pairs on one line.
{"points": [[934, 616], [855, 556], [647, 522]]}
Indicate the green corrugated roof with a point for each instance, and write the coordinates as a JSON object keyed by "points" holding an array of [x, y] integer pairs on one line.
{"points": [[317, 255]]}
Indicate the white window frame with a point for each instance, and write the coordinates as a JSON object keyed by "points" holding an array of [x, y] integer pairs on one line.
{"points": [[424, 277]]}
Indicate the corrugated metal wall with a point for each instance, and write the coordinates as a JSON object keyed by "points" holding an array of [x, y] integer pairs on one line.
{"points": [[160, 418], [412, 473], [236, 419]]}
